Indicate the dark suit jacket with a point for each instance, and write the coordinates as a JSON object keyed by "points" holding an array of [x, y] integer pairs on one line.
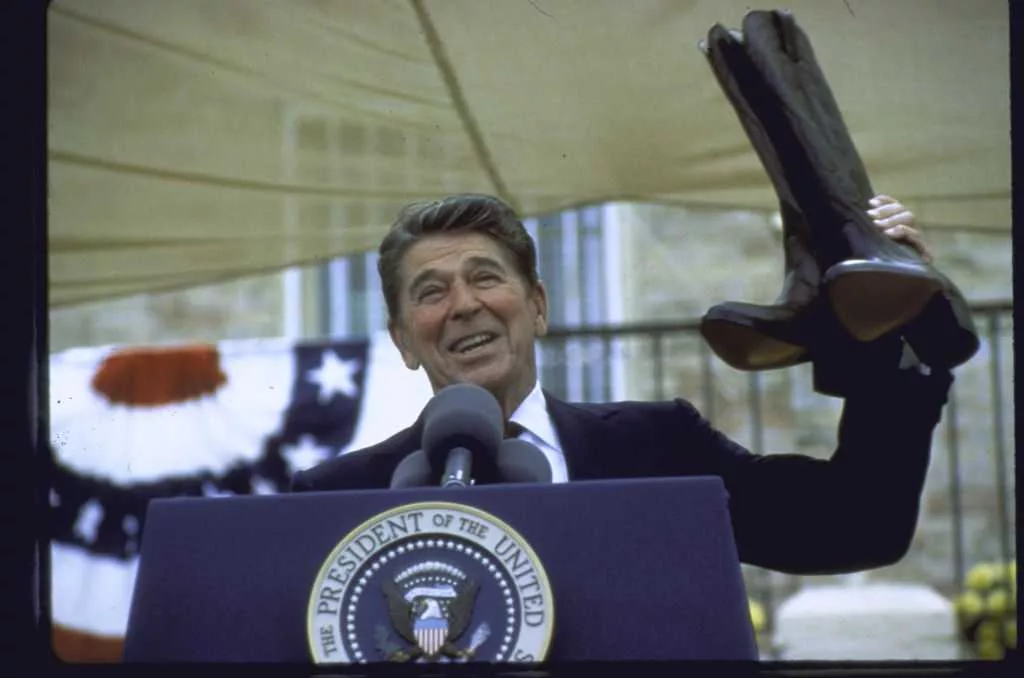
{"points": [[790, 513]]}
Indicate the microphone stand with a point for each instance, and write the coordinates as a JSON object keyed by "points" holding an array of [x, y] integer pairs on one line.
{"points": [[456, 468]]}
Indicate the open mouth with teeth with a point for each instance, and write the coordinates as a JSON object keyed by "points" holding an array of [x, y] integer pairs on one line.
{"points": [[471, 343]]}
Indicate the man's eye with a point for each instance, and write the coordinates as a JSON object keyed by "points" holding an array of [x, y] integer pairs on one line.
{"points": [[486, 277], [428, 293]]}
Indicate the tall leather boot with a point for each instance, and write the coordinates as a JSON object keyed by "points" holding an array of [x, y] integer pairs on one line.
{"points": [[874, 285], [761, 336]]}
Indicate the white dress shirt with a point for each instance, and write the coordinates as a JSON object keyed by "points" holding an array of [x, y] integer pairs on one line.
{"points": [[532, 415]]}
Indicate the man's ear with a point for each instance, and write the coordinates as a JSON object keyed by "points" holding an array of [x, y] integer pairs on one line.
{"points": [[540, 301], [399, 340]]}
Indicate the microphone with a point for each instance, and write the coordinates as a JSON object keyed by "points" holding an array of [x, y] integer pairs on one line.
{"points": [[413, 471], [521, 462], [462, 430]]}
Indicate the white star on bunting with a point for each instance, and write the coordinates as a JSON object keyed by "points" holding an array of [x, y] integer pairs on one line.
{"points": [[334, 376], [89, 519], [304, 455], [261, 485]]}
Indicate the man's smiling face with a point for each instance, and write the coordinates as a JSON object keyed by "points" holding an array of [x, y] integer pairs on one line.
{"points": [[467, 315]]}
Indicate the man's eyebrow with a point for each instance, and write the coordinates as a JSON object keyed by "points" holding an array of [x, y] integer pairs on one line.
{"points": [[489, 262], [473, 262], [422, 277]]}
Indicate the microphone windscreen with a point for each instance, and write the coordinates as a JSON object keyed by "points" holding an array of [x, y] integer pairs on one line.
{"points": [[521, 462], [462, 415], [413, 471]]}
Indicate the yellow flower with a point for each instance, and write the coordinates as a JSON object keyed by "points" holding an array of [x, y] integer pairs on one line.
{"points": [[990, 650], [757, 616], [969, 606], [988, 632], [982, 576], [997, 602]]}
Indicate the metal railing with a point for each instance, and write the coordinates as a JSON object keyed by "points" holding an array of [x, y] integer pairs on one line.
{"points": [[992, 319]]}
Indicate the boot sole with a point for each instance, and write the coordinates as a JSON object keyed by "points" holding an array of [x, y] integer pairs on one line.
{"points": [[747, 343], [873, 298]]}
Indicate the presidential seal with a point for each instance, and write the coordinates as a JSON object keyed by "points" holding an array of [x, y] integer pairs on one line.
{"points": [[431, 582]]}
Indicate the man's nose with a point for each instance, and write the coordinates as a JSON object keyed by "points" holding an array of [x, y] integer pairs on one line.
{"points": [[464, 300]]}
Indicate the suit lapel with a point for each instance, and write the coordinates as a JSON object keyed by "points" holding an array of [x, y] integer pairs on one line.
{"points": [[411, 441], [582, 435]]}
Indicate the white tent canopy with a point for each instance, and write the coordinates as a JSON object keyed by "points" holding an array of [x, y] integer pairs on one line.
{"points": [[193, 141]]}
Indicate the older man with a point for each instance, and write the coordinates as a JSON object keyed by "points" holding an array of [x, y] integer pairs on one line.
{"points": [[465, 303]]}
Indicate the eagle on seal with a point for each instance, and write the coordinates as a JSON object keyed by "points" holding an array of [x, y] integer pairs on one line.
{"points": [[425, 624]]}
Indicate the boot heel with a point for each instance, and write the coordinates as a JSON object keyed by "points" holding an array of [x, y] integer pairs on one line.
{"points": [[944, 334]]}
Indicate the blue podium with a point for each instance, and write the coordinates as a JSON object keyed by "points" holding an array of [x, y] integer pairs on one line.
{"points": [[618, 570]]}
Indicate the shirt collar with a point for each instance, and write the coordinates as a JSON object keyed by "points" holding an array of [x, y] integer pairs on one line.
{"points": [[532, 414]]}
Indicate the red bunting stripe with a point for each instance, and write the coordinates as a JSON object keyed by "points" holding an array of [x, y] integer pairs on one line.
{"points": [[152, 377]]}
